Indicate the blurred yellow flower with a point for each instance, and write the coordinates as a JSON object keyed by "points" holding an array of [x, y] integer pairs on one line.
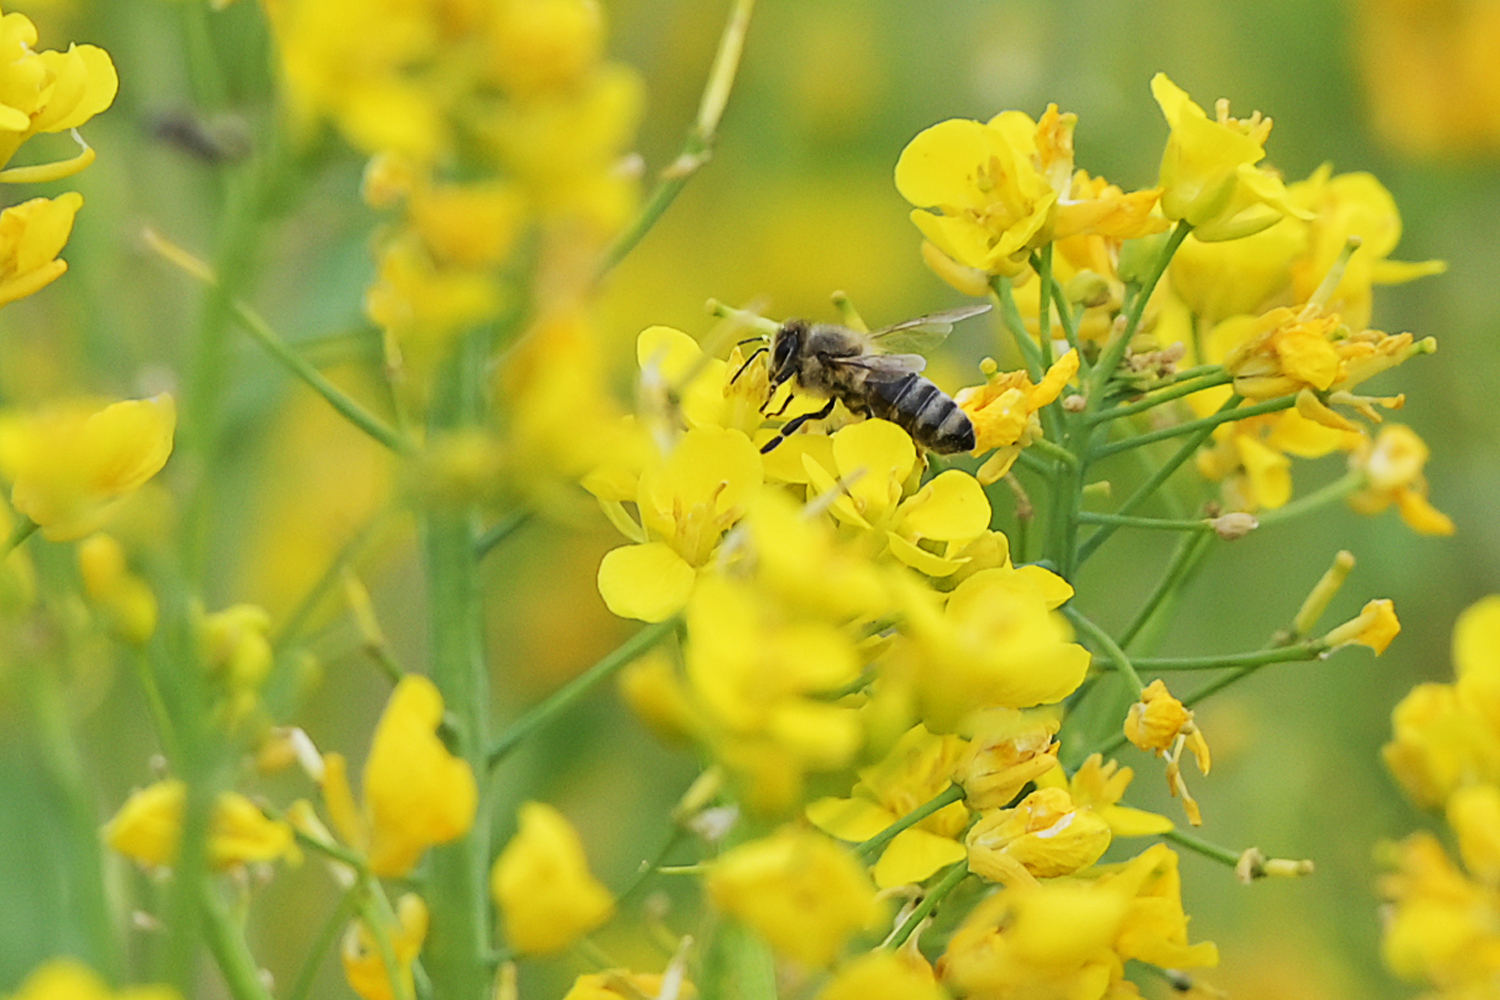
{"points": [[148, 828], [70, 979], [70, 465], [48, 91], [1392, 465], [883, 975], [539, 45], [359, 952], [1208, 174], [622, 985], [915, 770], [1075, 934], [542, 884], [416, 794], [801, 891], [1439, 743], [127, 602], [1440, 924], [32, 234]]}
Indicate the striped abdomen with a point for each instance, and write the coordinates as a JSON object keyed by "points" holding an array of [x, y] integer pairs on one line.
{"points": [[913, 403]]}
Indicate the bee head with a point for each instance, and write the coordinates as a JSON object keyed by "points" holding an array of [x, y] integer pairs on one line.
{"points": [[785, 350]]}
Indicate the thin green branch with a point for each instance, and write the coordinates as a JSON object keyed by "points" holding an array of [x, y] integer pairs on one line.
{"points": [[939, 892], [566, 696], [500, 531], [344, 404], [1152, 523], [698, 147], [1213, 851], [1185, 557], [1184, 387], [1107, 645], [1010, 317], [1310, 650], [1157, 480], [871, 848], [1115, 350], [307, 975], [1335, 491], [231, 954], [1194, 426]]}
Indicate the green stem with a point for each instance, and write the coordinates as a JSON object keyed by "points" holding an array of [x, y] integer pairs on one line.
{"points": [[460, 911], [698, 147], [1055, 451], [1189, 551], [1194, 426], [1310, 650], [343, 403], [939, 892], [321, 946], [1155, 523], [1109, 647], [566, 696], [1065, 315], [1157, 397], [1335, 491], [1010, 317], [238, 966], [500, 531], [1151, 485], [1203, 847], [1115, 350], [1042, 263], [871, 848]]}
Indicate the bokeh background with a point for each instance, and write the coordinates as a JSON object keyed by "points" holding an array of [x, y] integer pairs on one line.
{"points": [[797, 202]]}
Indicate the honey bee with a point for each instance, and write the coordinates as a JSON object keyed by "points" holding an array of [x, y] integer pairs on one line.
{"points": [[845, 366]]}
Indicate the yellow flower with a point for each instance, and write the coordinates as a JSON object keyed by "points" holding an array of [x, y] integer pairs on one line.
{"points": [[1075, 934], [416, 794], [48, 91], [883, 975], [800, 891], [542, 884], [1440, 925], [127, 602], [236, 645], [873, 461], [1098, 787], [32, 234], [71, 465], [1008, 750], [686, 500], [1161, 723], [997, 643], [359, 952], [1438, 744], [1474, 815], [538, 45], [1393, 465], [622, 985], [1208, 173], [148, 828], [1281, 352], [1374, 627], [1044, 836], [995, 203], [915, 770], [1004, 411], [70, 979]]}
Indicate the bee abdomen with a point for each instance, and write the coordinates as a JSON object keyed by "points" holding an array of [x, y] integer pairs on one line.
{"points": [[924, 411]]}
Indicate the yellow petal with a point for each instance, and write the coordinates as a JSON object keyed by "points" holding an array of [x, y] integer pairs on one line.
{"points": [[853, 819], [542, 884], [649, 582], [914, 855], [950, 507]]}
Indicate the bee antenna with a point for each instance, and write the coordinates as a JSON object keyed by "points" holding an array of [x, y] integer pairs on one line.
{"points": [[750, 340], [753, 355]]}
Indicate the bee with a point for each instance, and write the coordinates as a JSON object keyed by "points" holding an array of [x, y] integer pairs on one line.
{"points": [[845, 366]]}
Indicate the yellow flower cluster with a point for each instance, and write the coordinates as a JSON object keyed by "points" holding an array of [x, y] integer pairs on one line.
{"points": [[1442, 917]]}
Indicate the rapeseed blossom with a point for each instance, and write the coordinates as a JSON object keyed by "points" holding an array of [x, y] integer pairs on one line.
{"points": [[542, 885], [70, 979], [148, 828]]}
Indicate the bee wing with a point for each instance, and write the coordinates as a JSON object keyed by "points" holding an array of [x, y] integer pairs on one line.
{"points": [[924, 332], [884, 366]]}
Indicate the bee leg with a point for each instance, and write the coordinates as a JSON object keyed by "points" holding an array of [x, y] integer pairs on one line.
{"points": [[780, 409], [791, 426]]}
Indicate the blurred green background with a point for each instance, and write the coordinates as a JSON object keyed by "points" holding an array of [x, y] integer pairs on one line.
{"points": [[798, 201]]}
